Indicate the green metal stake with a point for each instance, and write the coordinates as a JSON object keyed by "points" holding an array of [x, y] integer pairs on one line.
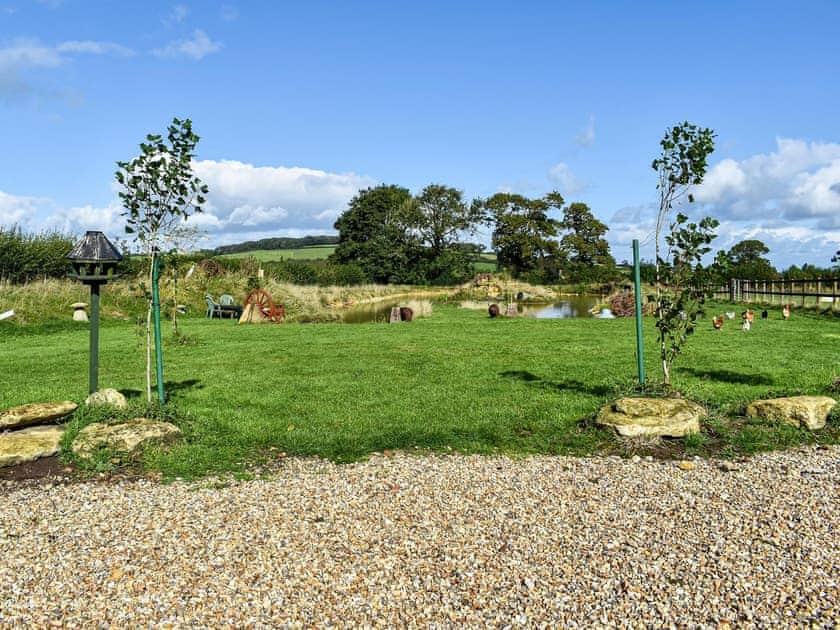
{"points": [[640, 351], [93, 379], [156, 314]]}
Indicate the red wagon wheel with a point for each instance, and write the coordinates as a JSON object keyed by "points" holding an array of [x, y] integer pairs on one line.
{"points": [[261, 300]]}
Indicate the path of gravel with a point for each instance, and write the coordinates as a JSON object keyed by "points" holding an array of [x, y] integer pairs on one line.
{"points": [[439, 541]]}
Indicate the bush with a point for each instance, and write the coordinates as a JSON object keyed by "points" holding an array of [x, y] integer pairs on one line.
{"points": [[27, 257]]}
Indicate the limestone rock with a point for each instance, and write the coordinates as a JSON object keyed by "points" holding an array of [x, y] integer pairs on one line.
{"points": [[29, 444], [125, 437], [107, 396], [652, 417], [35, 413], [806, 411]]}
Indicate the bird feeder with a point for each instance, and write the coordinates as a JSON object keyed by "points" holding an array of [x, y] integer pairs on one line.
{"points": [[94, 260]]}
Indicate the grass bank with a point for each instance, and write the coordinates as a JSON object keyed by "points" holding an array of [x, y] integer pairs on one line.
{"points": [[455, 380]]}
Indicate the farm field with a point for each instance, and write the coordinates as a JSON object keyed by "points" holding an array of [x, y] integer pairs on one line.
{"points": [[315, 252], [453, 381]]}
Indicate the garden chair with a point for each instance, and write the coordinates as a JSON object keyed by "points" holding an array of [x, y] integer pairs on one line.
{"points": [[212, 307], [226, 300]]}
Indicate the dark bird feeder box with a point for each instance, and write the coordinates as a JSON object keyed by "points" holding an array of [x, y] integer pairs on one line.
{"points": [[94, 260]]}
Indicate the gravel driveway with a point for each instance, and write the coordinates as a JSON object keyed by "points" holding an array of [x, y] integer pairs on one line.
{"points": [[434, 541]]}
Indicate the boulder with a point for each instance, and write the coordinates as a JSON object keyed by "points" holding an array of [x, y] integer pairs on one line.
{"points": [[107, 396], [29, 444], [125, 437], [652, 417], [35, 413], [799, 411]]}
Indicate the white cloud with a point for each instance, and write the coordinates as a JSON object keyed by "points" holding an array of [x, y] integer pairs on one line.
{"points": [[22, 211], [789, 242], [95, 48], [567, 181], [244, 197], [244, 202], [77, 220], [177, 15], [797, 181], [197, 47], [22, 56], [586, 137]]}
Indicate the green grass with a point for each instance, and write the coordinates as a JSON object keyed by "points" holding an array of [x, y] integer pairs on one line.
{"points": [[453, 380], [315, 252]]}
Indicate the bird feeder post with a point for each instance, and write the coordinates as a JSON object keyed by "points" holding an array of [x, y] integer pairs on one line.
{"points": [[94, 259]]}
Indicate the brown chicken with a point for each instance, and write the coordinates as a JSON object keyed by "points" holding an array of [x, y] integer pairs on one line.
{"points": [[786, 311], [717, 322]]}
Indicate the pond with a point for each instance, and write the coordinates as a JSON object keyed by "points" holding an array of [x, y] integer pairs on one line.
{"points": [[565, 307], [568, 306], [380, 312]]}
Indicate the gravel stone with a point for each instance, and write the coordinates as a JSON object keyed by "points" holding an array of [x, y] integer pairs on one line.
{"points": [[433, 541]]}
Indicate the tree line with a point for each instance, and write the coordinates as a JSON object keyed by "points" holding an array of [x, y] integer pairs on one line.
{"points": [[398, 237], [279, 242]]}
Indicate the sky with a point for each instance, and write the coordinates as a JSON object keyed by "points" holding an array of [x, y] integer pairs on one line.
{"points": [[301, 104]]}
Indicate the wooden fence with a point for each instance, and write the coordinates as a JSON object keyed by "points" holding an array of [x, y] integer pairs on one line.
{"points": [[821, 293]]}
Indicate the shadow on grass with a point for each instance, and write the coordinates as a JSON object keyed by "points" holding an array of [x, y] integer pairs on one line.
{"points": [[569, 384], [171, 388], [728, 376]]}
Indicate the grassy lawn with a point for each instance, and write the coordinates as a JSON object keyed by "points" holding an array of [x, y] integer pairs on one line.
{"points": [[315, 252], [455, 380]]}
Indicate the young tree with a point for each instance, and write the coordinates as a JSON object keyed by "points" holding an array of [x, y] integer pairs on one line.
{"points": [[681, 165], [523, 232], [159, 192], [586, 251], [681, 297]]}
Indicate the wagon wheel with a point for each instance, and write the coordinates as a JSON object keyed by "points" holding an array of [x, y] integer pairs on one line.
{"points": [[262, 301], [210, 267]]}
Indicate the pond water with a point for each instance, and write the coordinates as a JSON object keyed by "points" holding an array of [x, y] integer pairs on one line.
{"points": [[568, 306], [380, 312]]}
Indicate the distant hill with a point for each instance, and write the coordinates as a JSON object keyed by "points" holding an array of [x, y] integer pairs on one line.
{"points": [[274, 243]]}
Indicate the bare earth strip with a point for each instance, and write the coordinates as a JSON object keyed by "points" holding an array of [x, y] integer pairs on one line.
{"points": [[410, 541]]}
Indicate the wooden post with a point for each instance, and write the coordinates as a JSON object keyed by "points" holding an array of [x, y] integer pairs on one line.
{"points": [[833, 295]]}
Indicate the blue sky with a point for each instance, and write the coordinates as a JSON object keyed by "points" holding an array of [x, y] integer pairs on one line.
{"points": [[301, 104]]}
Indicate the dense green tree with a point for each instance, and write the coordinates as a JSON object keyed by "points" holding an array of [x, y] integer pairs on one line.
{"points": [[441, 215], [584, 248], [524, 233], [376, 233], [746, 260], [681, 164]]}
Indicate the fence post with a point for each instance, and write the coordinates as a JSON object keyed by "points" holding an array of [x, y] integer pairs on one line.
{"points": [[732, 282]]}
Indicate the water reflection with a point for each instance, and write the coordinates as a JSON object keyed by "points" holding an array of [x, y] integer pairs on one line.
{"points": [[380, 312], [571, 306]]}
